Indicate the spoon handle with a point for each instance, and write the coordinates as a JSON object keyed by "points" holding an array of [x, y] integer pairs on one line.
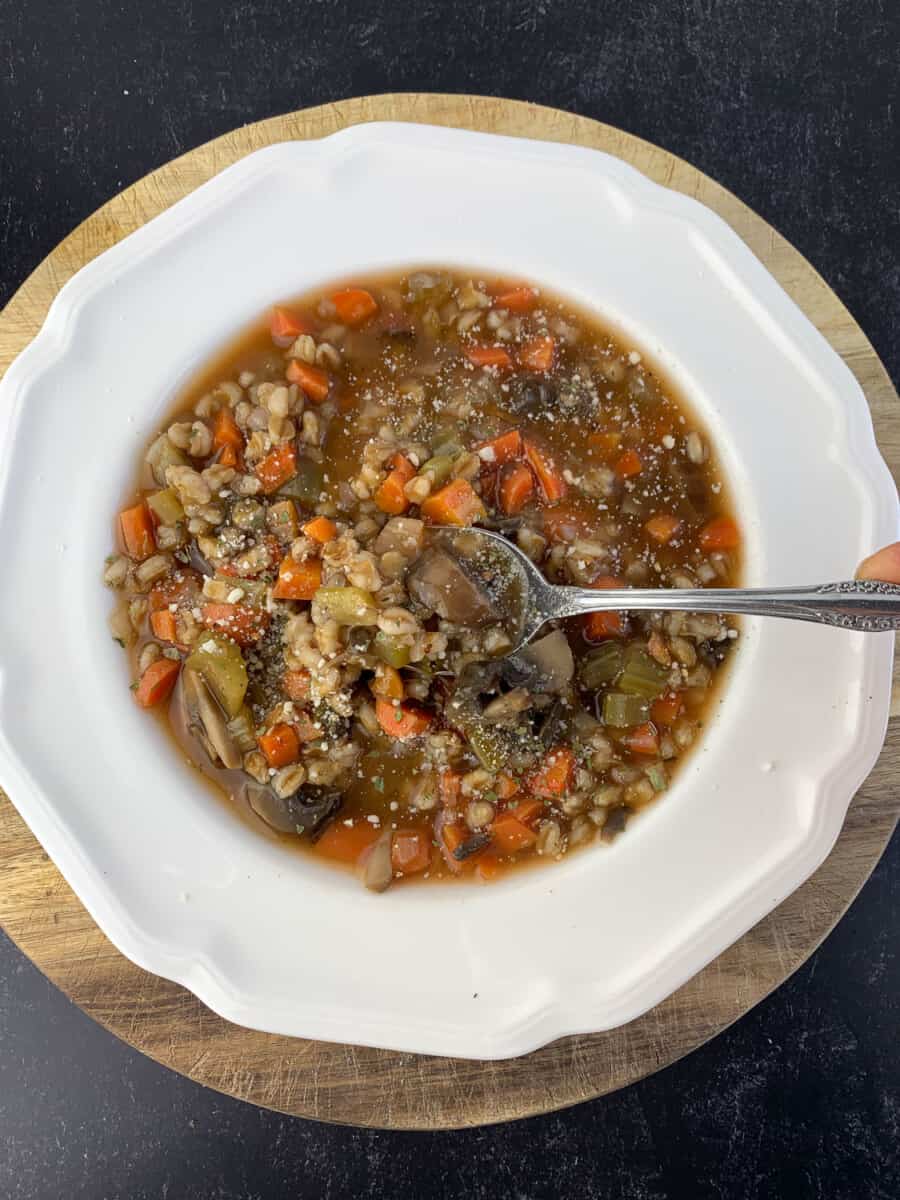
{"points": [[866, 605]]}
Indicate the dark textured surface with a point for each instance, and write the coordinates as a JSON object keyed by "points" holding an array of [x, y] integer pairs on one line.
{"points": [[794, 106]]}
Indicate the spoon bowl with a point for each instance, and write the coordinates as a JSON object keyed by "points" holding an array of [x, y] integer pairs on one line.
{"points": [[863, 605]]}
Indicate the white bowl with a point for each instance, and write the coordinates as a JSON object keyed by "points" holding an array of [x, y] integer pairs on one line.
{"points": [[272, 939]]}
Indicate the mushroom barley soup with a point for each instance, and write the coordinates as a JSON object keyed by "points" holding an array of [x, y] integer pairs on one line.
{"points": [[337, 662]]}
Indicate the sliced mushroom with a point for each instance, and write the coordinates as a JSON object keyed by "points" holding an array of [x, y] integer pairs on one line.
{"points": [[531, 395], [202, 708], [197, 561], [507, 708], [439, 582], [303, 813], [378, 870], [405, 535], [546, 665]]}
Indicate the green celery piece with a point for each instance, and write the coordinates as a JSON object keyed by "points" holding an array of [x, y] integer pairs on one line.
{"points": [[167, 506], [391, 649], [621, 711], [600, 666], [347, 605], [219, 660]]}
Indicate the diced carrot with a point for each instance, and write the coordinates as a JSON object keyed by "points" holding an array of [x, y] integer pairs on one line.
{"points": [[388, 683], [517, 299], [401, 463], [510, 835], [537, 355], [297, 685], [354, 305], [720, 534], [450, 784], [180, 588], [489, 356], [402, 721], [456, 504], [553, 775], [643, 739], [410, 851], [306, 728], [450, 838], [312, 380], [488, 866], [137, 531], [286, 324], [345, 843], [298, 581], [504, 449], [240, 622], [516, 488], [390, 496], [605, 443], [505, 786], [600, 625], [565, 523], [280, 745], [528, 811], [277, 467], [628, 464], [163, 625], [320, 529], [662, 527], [225, 431], [157, 682], [666, 709], [229, 457], [553, 486]]}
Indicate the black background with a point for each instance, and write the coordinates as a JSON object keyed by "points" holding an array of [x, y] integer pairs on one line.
{"points": [[792, 105]]}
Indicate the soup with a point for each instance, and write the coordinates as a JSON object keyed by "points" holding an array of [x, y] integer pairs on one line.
{"points": [[300, 593]]}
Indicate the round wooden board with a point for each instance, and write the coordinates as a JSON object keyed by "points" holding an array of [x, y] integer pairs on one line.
{"points": [[381, 1088]]}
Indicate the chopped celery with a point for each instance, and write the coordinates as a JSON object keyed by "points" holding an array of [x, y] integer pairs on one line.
{"points": [[490, 744], [438, 469], [167, 506], [248, 514], [220, 662], [347, 605], [641, 674], [306, 486], [254, 589], [391, 649], [600, 666], [620, 710], [658, 777], [282, 520], [449, 448]]}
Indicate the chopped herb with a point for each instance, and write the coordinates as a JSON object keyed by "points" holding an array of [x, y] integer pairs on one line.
{"points": [[133, 686], [492, 796], [121, 641], [378, 783]]}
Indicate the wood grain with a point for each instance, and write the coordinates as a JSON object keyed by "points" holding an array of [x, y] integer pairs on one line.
{"points": [[381, 1088]]}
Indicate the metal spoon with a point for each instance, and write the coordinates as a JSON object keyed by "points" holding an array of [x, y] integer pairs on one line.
{"points": [[865, 605]]}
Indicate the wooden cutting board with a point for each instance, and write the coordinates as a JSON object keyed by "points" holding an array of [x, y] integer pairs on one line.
{"points": [[377, 1087]]}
